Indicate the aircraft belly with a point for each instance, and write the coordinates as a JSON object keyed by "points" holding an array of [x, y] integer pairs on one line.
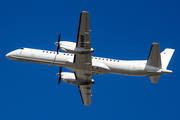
{"points": [[137, 69], [117, 68], [128, 68]]}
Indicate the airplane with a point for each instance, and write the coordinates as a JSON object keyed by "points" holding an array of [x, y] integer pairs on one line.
{"points": [[77, 57]]}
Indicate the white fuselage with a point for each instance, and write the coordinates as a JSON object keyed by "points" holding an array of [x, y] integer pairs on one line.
{"points": [[99, 65]]}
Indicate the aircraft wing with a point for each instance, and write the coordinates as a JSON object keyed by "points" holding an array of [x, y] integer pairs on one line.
{"points": [[85, 91], [83, 37], [83, 61]]}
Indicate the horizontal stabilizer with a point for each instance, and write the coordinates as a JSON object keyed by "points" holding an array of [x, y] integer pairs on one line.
{"points": [[154, 58], [154, 78]]}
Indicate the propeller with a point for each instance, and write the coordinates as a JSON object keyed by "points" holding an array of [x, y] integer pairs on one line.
{"points": [[59, 75], [58, 44]]}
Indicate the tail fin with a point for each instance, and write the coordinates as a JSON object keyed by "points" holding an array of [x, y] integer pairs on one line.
{"points": [[159, 60], [166, 57]]}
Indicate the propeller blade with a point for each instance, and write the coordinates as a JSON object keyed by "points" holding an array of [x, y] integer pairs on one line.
{"points": [[58, 46], [59, 75], [58, 49], [60, 69], [59, 80], [59, 37]]}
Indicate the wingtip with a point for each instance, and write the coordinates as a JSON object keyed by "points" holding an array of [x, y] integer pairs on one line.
{"points": [[154, 43], [84, 12]]}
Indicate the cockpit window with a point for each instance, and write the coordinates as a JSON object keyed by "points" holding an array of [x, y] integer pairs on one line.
{"points": [[22, 48]]}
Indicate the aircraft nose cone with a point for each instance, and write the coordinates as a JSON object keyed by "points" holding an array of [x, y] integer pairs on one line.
{"points": [[8, 55]]}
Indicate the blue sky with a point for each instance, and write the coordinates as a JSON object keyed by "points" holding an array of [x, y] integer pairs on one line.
{"points": [[119, 30]]}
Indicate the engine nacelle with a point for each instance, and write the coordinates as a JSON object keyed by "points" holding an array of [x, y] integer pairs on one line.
{"points": [[70, 47], [70, 78]]}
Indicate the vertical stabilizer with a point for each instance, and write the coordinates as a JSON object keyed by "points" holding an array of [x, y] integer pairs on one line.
{"points": [[166, 57]]}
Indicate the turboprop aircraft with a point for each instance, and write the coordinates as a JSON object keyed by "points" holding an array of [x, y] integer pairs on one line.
{"points": [[77, 57]]}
